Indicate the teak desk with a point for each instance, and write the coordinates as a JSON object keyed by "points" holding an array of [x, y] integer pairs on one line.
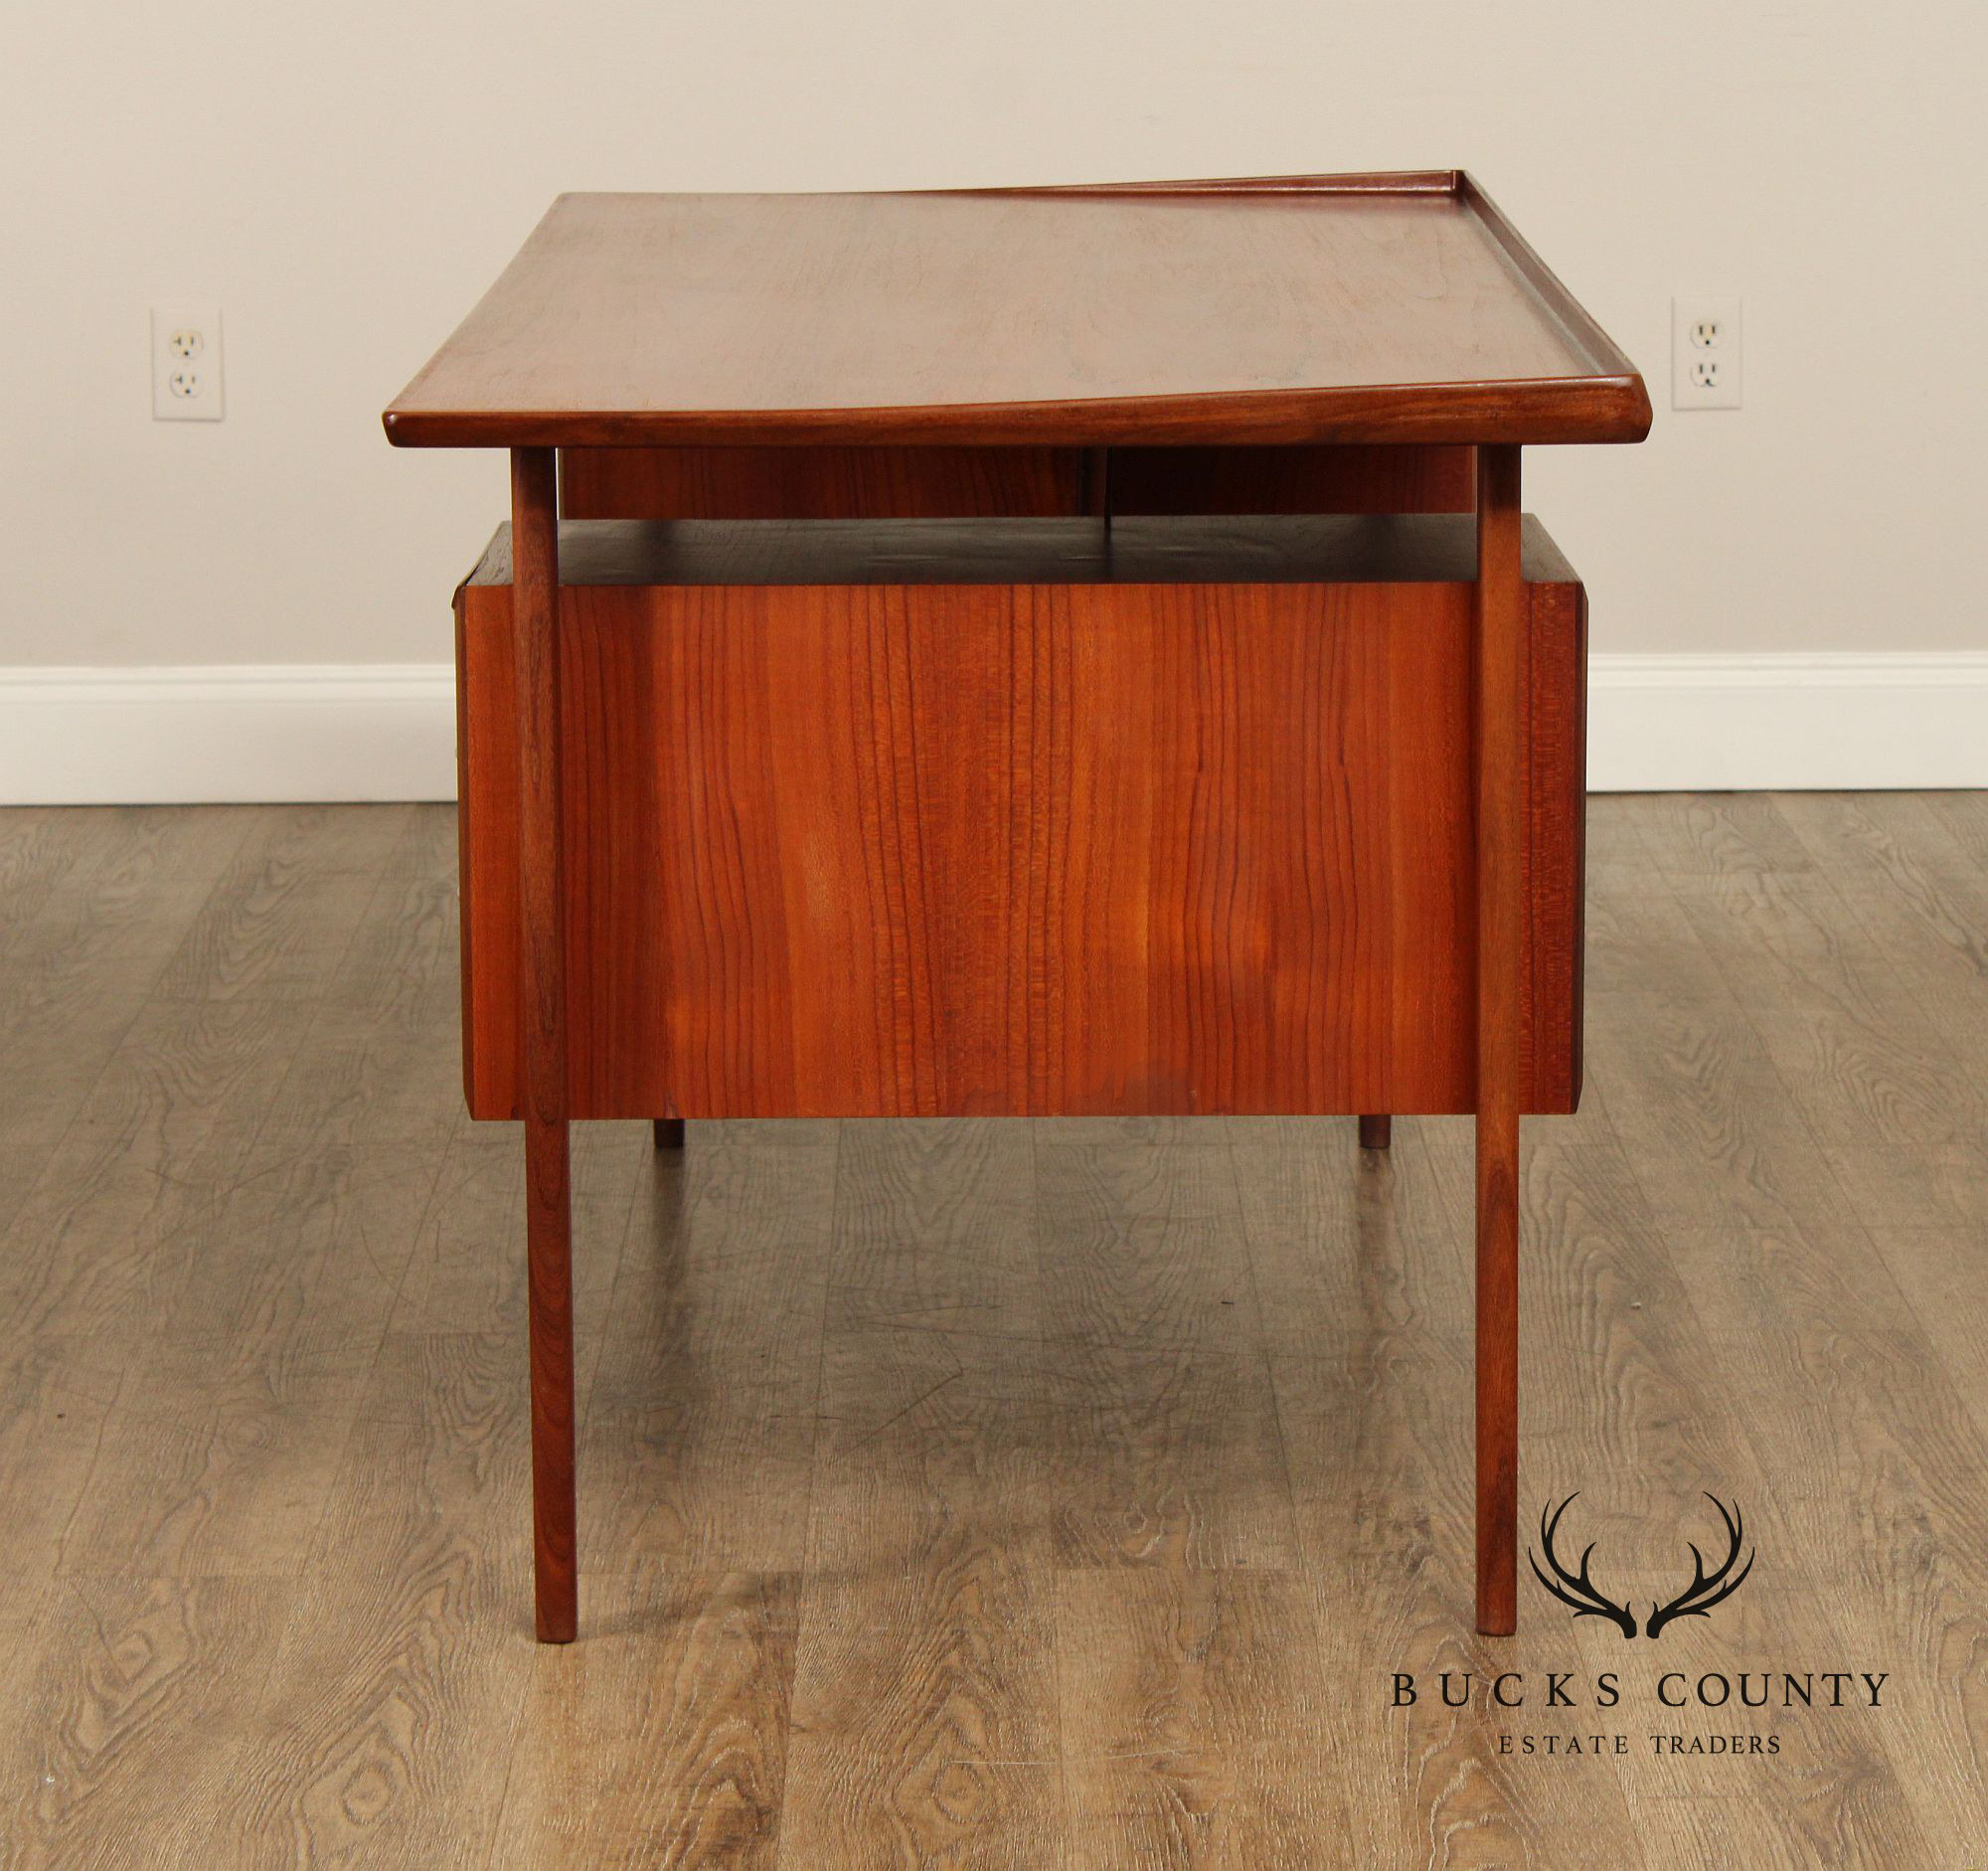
{"points": [[1024, 652]]}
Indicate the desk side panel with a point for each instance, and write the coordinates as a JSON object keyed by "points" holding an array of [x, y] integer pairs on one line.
{"points": [[898, 851], [1555, 855], [486, 850]]}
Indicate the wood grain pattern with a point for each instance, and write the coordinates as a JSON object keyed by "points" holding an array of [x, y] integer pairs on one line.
{"points": [[1635, 1430], [1852, 1320], [925, 1707], [1206, 1744], [1722, 1293], [1363, 1282], [121, 1727], [1301, 312], [365, 1732], [93, 924], [853, 850], [1500, 710], [544, 1056], [1611, 1203], [802, 483], [690, 1673], [700, 1431], [818, 483], [1156, 1338], [161, 1159], [268, 1300]]}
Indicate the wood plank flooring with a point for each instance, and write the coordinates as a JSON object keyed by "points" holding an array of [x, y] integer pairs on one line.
{"points": [[980, 1493]]}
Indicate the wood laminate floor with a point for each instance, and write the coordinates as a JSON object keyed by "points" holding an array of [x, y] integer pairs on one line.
{"points": [[981, 1494]]}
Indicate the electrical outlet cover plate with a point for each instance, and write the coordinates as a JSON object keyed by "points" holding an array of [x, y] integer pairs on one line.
{"points": [[186, 363], [1705, 351]]}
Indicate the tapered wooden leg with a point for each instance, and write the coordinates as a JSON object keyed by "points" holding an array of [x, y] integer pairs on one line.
{"points": [[1376, 1133], [1501, 677], [669, 1134], [542, 901], [547, 1220]]}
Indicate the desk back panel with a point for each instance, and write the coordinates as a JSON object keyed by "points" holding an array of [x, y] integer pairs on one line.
{"points": [[931, 849], [826, 483]]}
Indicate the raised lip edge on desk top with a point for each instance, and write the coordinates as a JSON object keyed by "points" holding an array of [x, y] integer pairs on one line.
{"points": [[1608, 404]]}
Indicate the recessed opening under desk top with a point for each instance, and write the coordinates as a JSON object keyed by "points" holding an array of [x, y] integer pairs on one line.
{"points": [[1270, 549]]}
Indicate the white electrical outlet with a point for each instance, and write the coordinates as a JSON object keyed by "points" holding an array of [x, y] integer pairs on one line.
{"points": [[185, 364], [1704, 352]]}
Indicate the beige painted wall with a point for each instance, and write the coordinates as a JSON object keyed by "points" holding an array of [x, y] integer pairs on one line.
{"points": [[343, 180]]}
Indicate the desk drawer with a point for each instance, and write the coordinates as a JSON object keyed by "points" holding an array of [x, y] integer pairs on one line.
{"points": [[1147, 826]]}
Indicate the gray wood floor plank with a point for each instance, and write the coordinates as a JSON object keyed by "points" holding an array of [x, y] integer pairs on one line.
{"points": [[978, 1494], [926, 1700]]}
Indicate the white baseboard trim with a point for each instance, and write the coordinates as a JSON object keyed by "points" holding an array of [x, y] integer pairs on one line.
{"points": [[1855, 721], [329, 732], [269, 732]]}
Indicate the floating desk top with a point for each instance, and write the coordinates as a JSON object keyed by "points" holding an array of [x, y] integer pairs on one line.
{"points": [[1396, 309], [856, 744]]}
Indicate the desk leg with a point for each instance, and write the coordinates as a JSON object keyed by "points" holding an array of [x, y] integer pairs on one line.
{"points": [[1500, 734], [542, 898], [669, 1134]]}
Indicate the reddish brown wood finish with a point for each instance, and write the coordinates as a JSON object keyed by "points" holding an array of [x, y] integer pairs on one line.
{"points": [[1300, 310], [1185, 845], [1343, 479], [1376, 1133], [539, 986], [987, 483], [1502, 709], [818, 483], [1123, 820]]}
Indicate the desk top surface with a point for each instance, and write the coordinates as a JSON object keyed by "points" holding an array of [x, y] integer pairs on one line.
{"points": [[1350, 308]]}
